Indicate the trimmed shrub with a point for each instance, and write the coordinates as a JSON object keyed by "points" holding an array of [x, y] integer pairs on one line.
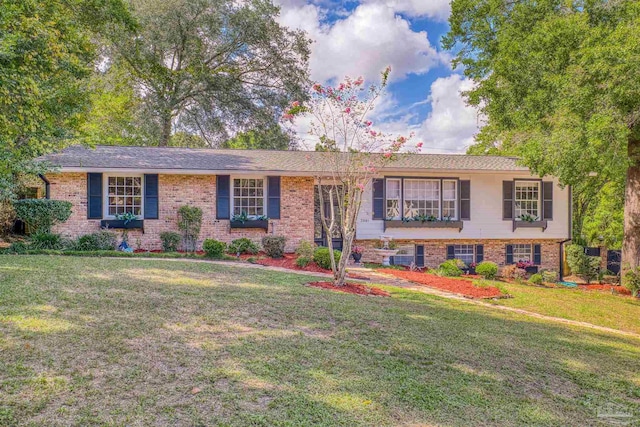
{"points": [[323, 259], [581, 264], [536, 279], [40, 215], [631, 281], [487, 269], [243, 246], [100, 241], [170, 241], [303, 261], [549, 276], [18, 247], [305, 250], [190, 222], [214, 248], [42, 240], [273, 246], [451, 268]]}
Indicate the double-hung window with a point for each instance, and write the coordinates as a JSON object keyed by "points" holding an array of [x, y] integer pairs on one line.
{"points": [[522, 253], [464, 253], [421, 198], [449, 199], [248, 196], [394, 191], [123, 195], [527, 199]]}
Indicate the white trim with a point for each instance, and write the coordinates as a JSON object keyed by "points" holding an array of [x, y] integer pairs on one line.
{"points": [[105, 192], [264, 191]]}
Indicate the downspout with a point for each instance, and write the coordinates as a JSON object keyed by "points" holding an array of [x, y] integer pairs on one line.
{"points": [[47, 186]]}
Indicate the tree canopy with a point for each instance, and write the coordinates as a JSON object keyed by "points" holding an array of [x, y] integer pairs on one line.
{"points": [[558, 84]]}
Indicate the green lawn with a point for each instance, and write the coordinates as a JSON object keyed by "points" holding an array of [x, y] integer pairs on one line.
{"points": [[93, 341], [599, 308]]}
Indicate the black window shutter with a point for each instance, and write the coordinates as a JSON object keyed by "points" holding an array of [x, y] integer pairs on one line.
{"points": [[151, 210], [451, 252], [94, 196], [547, 200], [378, 198], [465, 200], [509, 252], [273, 197], [419, 256], [507, 199], [223, 197], [479, 253], [537, 254]]}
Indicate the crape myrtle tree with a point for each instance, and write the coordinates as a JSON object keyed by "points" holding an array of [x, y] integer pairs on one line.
{"points": [[558, 82], [351, 154]]}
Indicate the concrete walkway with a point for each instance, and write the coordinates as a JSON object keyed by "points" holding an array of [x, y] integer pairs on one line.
{"points": [[385, 279]]}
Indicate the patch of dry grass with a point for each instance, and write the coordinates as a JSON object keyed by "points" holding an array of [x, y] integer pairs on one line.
{"points": [[121, 342]]}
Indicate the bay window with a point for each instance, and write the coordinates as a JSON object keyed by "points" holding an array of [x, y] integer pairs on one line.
{"points": [[248, 196], [123, 195]]}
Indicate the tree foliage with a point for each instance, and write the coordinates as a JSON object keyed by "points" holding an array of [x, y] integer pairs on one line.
{"points": [[211, 67], [272, 138], [41, 215], [558, 84]]}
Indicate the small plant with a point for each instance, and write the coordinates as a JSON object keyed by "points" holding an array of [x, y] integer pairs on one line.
{"points": [[378, 244], [40, 215], [189, 223], [214, 248], [487, 269], [581, 264], [451, 268], [100, 241], [170, 241], [252, 260], [305, 249], [274, 246], [18, 247], [127, 217], [355, 249], [243, 217], [549, 276], [43, 240], [527, 218], [323, 259], [243, 246], [525, 264], [536, 279], [302, 261], [514, 272], [631, 281]]}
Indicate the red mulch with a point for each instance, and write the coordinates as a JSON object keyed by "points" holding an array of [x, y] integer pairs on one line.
{"points": [[351, 288], [159, 251], [596, 287], [449, 284], [289, 261]]}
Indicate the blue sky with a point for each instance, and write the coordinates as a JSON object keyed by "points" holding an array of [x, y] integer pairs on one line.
{"points": [[363, 37]]}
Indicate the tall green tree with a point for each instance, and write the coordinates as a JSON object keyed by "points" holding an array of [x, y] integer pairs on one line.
{"points": [[212, 67], [272, 138], [559, 80]]}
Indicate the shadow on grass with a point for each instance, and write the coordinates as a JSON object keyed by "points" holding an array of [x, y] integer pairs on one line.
{"points": [[257, 348]]}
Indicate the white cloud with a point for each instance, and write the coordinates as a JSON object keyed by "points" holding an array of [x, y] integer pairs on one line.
{"points": [[436, 9], [364, 43]]}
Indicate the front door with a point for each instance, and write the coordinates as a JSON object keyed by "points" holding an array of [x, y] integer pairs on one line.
{"points": [[321, 238]]}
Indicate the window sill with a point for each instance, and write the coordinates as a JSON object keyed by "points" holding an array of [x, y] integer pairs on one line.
{"points": [[398, 223], [534, 224], [122, 224], [256, 223]]}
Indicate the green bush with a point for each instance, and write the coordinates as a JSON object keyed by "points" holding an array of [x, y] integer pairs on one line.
{"points": [[40, 215], [170, 241], [549, 276], [305, 250], [190, 222], [214, 248], [487, 269], [631, 281], [302, 261], [536, 279], [273, 246], [451, 268], [100, 241], [43, 240], [243, 246], [323, 259], [18, 247], [582, 264]]}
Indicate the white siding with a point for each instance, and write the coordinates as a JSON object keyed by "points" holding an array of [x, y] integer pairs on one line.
{"points": [[486, 214]]}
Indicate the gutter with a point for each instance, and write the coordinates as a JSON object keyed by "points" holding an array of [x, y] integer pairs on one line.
{"points": [[47, 186]]}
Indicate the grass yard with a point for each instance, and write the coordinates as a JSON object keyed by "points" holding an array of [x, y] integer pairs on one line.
{"points": [[599, 308], [93, 341]]}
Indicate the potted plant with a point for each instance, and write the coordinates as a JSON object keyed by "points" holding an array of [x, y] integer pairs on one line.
{"points": [[125, 221], [243, 220], [527, 266], [356, 253], [471, 268]]}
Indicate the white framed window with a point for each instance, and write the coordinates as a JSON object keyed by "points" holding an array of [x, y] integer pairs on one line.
{"points": [[527, 199], [449, 199], [249, 196], [522, 253], [465, 253], [394, 190], [123, 194], [421, 197]]}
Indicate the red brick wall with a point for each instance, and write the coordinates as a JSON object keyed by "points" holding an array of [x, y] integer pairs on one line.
{"points": [[296, 210], [494, 250]]}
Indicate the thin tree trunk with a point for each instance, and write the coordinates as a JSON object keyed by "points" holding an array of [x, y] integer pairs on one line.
{"points": [[631, 241], [166, 130]]}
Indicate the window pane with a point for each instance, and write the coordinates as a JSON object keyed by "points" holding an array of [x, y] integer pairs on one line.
{"points": [[522, 253], [464, 253], [527, 200], [421, 197]]}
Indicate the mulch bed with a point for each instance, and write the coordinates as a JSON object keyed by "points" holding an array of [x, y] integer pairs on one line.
{"points": [[457, 286], [351, 288], [607, 288], [159, 251], [289, 262]]}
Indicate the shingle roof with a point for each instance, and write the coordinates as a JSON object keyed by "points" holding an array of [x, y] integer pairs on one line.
{"points": [[189, 159]]}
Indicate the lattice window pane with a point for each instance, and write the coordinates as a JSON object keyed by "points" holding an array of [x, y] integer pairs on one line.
{"points": [[248, 196], [124, 195], [464, 253], [522, 253]]}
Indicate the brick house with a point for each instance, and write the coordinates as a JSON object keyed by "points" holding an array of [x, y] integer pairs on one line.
{"points": [[481, 197]]}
